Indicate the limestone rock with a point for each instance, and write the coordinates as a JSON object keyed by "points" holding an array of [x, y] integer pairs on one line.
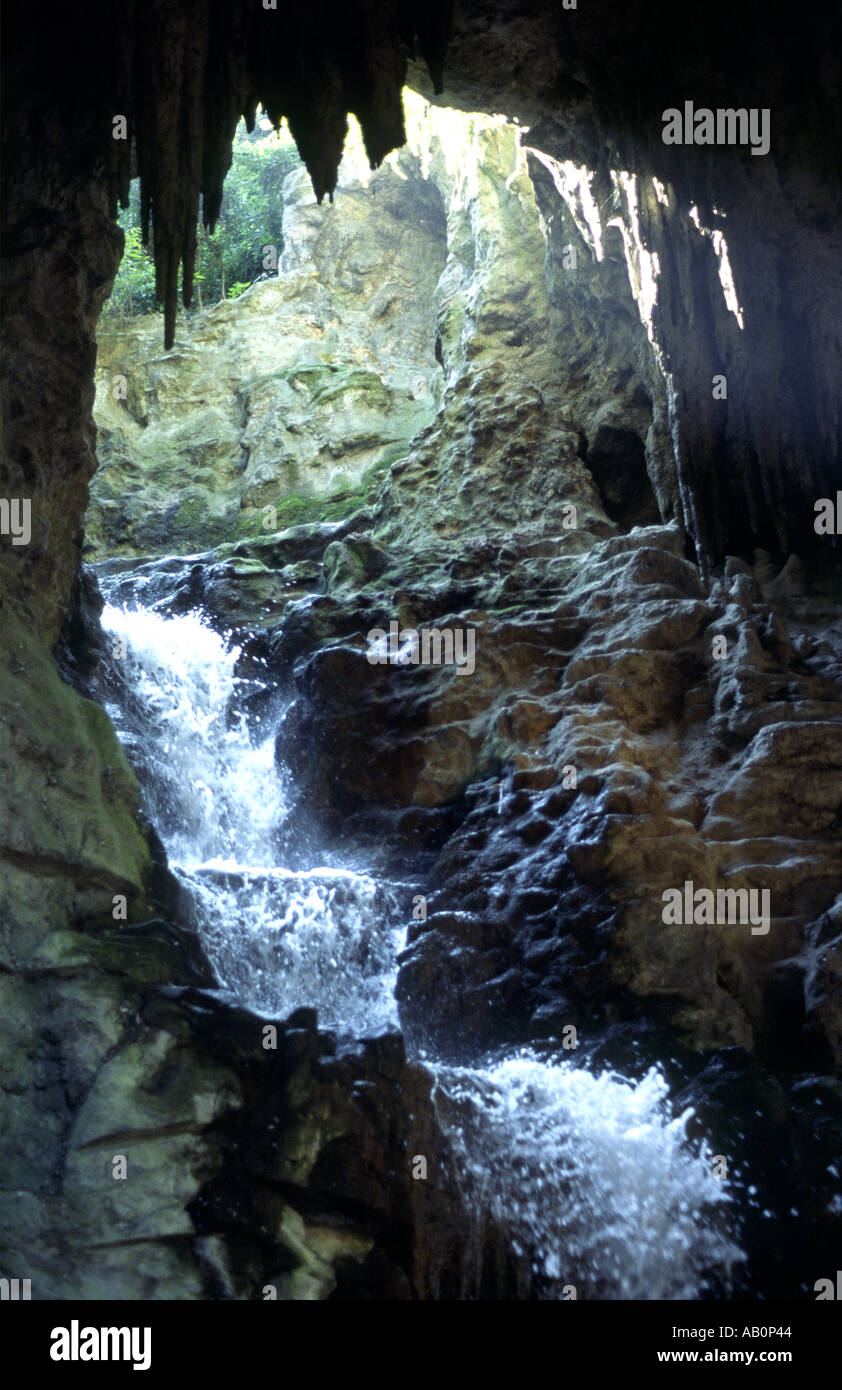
{"points": [[289, 402]]}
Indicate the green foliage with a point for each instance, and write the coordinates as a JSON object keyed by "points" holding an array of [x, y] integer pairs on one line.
{"points": [[250, 221], [134, 287]]}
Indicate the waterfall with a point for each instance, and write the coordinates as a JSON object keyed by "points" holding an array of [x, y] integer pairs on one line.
{"points": [[275, 938], [591, 1177], [211, 789]]}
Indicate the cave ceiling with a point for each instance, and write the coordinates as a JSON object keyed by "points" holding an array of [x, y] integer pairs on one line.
{"points": [[183, 72]]}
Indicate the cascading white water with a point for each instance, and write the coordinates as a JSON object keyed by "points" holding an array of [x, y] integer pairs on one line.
{"points": [[214, 794], [591, 1177], [276, 939], [322, 938]]}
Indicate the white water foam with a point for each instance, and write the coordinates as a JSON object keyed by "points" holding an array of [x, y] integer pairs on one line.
{"points": [[325, 938], [213, 792], [592, 1178]]}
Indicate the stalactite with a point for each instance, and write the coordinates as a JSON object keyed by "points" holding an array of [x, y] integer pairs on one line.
{"points": [[375, 76], [430, 24], [118, 151], [172, 48], [185, 70], [226, 95]]}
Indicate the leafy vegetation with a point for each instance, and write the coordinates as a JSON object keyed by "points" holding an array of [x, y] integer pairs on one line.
{"points": [[250, 221]]}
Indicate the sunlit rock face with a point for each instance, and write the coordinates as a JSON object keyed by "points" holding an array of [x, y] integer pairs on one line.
{"points": [[290, 401], [748, 467]]}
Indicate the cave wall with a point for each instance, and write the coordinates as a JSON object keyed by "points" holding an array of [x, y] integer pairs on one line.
{"points": [[747, 469]]}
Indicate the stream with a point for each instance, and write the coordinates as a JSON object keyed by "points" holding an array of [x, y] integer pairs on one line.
{"points": [[591, 1176]]}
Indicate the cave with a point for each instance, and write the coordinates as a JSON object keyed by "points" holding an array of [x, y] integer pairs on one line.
{"points": [[617, 460], [334, 970]]}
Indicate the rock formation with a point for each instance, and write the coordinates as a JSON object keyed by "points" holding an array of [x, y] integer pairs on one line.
{"points": [[507, 426], [300, 392]]}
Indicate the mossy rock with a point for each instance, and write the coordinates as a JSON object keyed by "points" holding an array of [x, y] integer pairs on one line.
{"points": [[77, 799], [297, 509]]}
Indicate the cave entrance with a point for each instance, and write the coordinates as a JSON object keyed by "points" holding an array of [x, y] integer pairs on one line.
{"points": [[324, 337], [617, 461], [303, 370]]}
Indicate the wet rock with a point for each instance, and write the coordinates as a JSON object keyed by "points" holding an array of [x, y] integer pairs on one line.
{"points": [[779, 1141], [821, 963]]}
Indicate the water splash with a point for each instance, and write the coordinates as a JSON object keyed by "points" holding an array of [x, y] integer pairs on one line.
{"points": [[324, 938], [592, 1178]]}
